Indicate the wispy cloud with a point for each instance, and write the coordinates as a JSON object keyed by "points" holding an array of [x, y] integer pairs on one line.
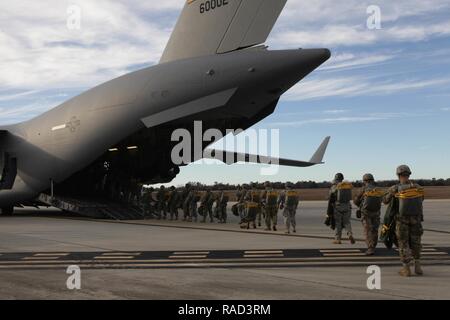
{"points": [[355, 86]]}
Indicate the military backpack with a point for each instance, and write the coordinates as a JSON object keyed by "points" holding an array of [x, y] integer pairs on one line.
{"points": [[344, 192], [410, 198], [372, 199]]}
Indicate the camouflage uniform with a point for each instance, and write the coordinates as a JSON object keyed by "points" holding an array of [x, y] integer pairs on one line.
{"points": [[222, 202], [253, 207], [185, 201], [148, 203], [271, 208], [206, 205], [342, 214], [193, 198], [408, 229], [161, 198], [368, 200], [407, 199], [174, 198], [289, 200]]}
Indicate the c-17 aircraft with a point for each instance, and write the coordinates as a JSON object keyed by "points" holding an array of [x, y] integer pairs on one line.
{"points": [[118, 134]]}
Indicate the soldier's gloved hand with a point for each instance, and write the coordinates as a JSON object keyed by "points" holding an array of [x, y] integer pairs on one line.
{"points": [[358, 214]]}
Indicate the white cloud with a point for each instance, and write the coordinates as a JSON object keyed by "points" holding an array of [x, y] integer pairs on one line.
{"points": [[355, 86], [328, 121]]}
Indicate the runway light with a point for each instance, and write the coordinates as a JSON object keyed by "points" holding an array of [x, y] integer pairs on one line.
{"points": [[132, 148], [113, 150]]}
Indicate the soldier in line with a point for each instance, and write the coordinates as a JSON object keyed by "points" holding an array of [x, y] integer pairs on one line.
{"points": [[206, 209], [193, 198], [252, 202], [270, 204], [173, 203], [185, 201], [340, 197], [288, 201], [369, 201], [221, 207], [161, 205], [241, 202], [148, 203], [406, 202]]}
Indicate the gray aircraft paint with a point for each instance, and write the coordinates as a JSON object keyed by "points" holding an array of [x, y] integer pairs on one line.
{"points": [[64, 140]]}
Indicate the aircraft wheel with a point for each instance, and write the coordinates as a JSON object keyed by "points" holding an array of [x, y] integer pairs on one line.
{"points": [[8, 211]]}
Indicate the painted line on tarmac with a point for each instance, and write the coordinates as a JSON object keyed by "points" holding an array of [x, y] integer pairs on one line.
{"points": [[221, 265]]}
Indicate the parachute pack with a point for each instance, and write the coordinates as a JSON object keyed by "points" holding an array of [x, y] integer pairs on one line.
{"points": [[272, 198], [373, 199], [344, 192], [291, 198], [410, 200]]}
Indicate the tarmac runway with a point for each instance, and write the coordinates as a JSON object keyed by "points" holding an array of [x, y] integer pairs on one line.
{"points": [[160, 259]]}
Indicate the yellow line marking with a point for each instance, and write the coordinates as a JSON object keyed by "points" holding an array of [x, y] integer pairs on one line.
{"points": [[340, 250], [344, 254], [262, 252], [121, 254], [191, 252], [264, 256], [187, 257], [237, 260], [114, 257], [39, 258]]}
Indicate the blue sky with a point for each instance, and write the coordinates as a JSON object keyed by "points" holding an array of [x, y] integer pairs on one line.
{"points": [[383, 96]]}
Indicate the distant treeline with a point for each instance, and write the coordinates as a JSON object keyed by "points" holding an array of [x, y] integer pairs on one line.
{"points": [[324, 184]]}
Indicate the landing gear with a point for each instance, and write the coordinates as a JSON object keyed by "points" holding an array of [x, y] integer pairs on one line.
{"points": [[7, 211]]}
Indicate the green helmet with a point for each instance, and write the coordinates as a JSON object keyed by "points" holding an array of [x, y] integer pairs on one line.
{"points": [[339, 177], [403, 170], [368, 177]]}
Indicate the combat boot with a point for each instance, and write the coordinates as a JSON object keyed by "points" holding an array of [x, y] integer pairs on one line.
{"points": [[274, 228], [370, 252], [418, 268], [294, 231], [405, 271]]}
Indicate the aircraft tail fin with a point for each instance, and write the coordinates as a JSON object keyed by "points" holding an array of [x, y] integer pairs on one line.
{"points": [[208, 27]]}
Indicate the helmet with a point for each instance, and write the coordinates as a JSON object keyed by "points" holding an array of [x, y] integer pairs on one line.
{"points": [[368, 177], [172, 188], [403, 170], [339, 177], [267, 184], [253, 184], [162, 187], [288, 185]]}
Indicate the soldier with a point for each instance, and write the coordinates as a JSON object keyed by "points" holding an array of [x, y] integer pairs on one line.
{"points": [[241, 202], [289, 200], [173, 203], [253, 207], [270, 204], [369, 201], [185, 201], [221, 206], [161, 198], [209, 205], [148, 203], [205, 202], [407, 199], [340, 197], [193, 198]]}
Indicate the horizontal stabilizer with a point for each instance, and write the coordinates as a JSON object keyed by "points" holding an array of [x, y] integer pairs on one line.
{"points": [[230, 157], [208, 27]]}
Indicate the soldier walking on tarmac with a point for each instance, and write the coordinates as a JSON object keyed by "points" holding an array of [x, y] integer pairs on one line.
{"points": [[174, 198], [221, 207], [406, 202], [369, 201], [288, 201], [340, 197], [270, 204]]}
